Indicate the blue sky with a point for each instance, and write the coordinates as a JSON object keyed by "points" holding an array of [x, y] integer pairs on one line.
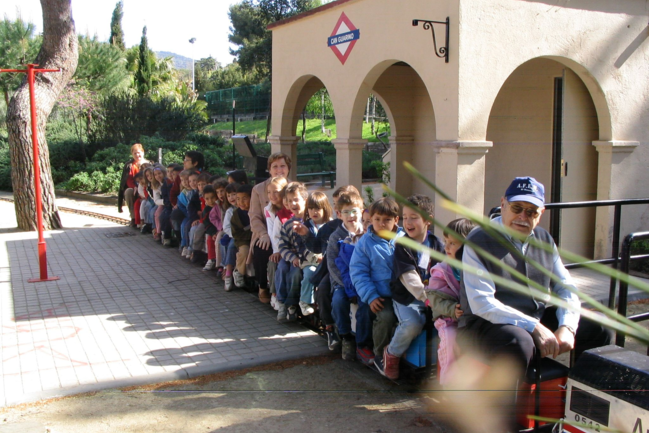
{"points": [[170, 24]]}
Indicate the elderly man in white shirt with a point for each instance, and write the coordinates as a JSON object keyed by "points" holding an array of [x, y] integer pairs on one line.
{"points": [[499, 321]]}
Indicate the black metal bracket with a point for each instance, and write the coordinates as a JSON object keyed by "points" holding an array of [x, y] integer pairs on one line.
{"points": [[441, 52]]}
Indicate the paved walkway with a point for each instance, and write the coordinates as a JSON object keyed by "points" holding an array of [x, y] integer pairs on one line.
{"points": [[126, 311]]}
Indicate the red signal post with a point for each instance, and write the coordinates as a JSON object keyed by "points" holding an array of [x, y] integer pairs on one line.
{"points": [[42, 247]]}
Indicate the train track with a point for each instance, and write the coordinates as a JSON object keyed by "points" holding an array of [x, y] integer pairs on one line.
{"points": [[112, 219]]}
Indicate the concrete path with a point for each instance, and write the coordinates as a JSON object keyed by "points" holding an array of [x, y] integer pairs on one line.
{"points": [[126, 311]]}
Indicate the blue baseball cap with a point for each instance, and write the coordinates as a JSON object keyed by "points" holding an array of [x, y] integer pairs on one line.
{"points": [[526, 189]]}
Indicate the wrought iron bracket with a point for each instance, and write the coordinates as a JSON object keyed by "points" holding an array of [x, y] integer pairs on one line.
{"points": [[442, 51]]}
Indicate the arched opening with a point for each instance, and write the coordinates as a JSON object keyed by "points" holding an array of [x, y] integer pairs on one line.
{"points": [[409, 111], [542, 124]]}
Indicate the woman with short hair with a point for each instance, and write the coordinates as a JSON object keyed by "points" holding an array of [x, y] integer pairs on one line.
{"points": [[279, 165], [127, 186]]}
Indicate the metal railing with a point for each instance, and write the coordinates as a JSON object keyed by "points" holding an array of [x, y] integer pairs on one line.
{"points": [[615, 259], [625, 261]]}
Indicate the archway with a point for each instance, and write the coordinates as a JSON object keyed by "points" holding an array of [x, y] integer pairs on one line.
{"points": [[409, 111], [542, 124]]}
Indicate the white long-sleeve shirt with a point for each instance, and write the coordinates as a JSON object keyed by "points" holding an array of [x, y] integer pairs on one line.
{"points": [[227, 221], [271, 222], [481, 290]]}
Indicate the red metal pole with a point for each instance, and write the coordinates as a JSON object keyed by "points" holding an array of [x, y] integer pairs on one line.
{"points": [[42, 247]]}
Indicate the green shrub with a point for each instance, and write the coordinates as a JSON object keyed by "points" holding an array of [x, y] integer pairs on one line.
{"points": [[80, 182]]}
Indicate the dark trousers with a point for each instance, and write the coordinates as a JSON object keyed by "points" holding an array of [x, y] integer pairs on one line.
{"points": [[323, 296], [260, 259], [493, 341]]}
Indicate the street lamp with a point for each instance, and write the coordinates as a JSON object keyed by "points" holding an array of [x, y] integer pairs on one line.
{"points": [[191, 41]]}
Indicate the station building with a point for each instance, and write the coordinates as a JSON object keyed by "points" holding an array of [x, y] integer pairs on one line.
{"points": [[554, 89]]}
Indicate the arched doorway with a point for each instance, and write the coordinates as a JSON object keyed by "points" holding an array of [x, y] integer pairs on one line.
{"points": [[409, 111], [542, 124]]}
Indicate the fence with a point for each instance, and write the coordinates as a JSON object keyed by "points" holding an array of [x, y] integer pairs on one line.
{"points": [[250, 100]]}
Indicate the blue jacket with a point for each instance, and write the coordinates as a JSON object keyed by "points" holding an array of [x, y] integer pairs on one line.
{"points": [[345, 253], [182, 202], [372, 266]]}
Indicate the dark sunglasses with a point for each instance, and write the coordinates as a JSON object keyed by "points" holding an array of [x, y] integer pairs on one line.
{"points": [[515, 208]]}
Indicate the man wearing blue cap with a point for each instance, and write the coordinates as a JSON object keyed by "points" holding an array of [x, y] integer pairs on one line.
{"points": [[499, 321]]}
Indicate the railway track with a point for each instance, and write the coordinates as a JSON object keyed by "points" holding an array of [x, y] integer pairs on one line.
{"points": [[112, 219]]}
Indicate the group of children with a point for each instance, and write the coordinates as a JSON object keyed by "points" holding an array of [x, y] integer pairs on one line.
{"points": [[333, 259]]}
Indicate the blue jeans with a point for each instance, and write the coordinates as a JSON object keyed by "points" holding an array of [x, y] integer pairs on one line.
{"points": [[411, 322], [341, 308], [288, 279], [283, 267], [151, 215], [184, 232], [306, 291], [231, 254]]}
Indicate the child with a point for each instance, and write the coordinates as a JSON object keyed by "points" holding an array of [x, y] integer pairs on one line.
{"points": [[139, 181], [282, 269], [319, 212], [216, 217], [275, 204], [339, 252], [179, 214], [193, 210], [159, 177], [411, 269], [237, 176], [293, 252], [320, 279], [197, 231], [148, 208], [371, 271], [209, 194], [443, 294], [227, 240], [240, 226]]}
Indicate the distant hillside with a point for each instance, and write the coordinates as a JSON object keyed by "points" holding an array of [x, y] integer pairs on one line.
{"points": [[180, 62]]}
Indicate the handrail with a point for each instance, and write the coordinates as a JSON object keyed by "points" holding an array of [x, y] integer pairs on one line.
{"points": [[617, 222], [624, 286]]}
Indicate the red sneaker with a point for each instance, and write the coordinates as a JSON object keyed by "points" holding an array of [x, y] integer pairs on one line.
{"points": [[389, 365]]}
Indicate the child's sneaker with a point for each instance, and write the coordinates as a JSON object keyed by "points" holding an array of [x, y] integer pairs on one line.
{"points": [[365, 355], [166, 242], [306, 308], [219, 271], [281, 312], [156, 236], [239, 281], [228, 284], [184, 252], [333, 341], [273, 302], [388, 366], [349, 349], [291, 316], [209, 265]]}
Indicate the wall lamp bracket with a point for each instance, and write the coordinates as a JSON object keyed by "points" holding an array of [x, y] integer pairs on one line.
{"points": [[442, 51]]}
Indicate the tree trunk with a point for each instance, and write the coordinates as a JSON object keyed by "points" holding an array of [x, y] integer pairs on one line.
{"points": [[59, 50], [303, 126]]}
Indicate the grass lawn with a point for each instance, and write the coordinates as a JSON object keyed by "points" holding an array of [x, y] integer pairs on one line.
{"points": [[313, 129]]}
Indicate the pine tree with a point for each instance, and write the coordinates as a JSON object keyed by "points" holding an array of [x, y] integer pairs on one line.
{"points": [[116, 32], [144, 69]]}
